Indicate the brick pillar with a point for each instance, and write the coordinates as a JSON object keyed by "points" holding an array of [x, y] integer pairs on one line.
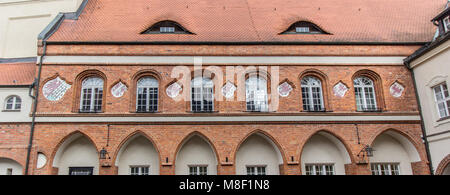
{"points": [[357, 169], [290, 169], [226, 169], [420, 168], [167, 169], [281, 167], [106, 167]]}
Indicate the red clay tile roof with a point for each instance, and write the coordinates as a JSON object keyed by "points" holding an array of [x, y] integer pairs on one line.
{"points": [[19, 73], [254, 20]]}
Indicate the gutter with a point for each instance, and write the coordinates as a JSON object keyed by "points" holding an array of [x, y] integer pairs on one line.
{"points": [[33, 120], [44, 35], [15, 86], [226, 43], [422, 124], [427, 47]]}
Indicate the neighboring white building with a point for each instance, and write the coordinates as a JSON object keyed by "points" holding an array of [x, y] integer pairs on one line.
{"points": [[16, 78], [15, 81], [431, 70], [22, 20]]}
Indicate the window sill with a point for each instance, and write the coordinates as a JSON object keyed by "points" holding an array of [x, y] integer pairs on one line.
{"points": [[443, 119], [146, 112], [316, 111], [256, 111], [10, 110], [200, 112], [374, 110], [89, 112]]}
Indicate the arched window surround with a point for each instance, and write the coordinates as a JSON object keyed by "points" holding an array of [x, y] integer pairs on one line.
{"points": [[377, 85], [78, 87], [259, 76], [202, 88], [134, 88], [324, 84], [217, 86]]}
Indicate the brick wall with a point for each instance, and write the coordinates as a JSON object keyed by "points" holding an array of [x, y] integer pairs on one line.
{"points": [[225, 140], [292, 103]]}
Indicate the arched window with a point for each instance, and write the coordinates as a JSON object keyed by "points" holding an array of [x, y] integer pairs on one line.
{"points": [[147, 94], [202, 97], [256, 94], [91, 95], [312, 94], [365, 94], [13, 103]]}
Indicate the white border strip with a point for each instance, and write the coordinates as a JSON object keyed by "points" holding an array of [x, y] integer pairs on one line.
{"points": [[229, 119], [252, 60]]}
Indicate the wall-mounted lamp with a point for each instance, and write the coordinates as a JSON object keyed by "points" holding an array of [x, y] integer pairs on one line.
{"points": [[369, 150], [104, 154], [366, 151]]}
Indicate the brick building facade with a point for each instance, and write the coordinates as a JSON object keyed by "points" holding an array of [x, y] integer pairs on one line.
{"points": [[93, 64]]}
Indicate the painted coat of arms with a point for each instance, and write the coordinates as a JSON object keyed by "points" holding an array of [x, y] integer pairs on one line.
{"points": [[396, 89], [284, 89], [119, 89], [228, 90], [55, 89], [173, 90], [340, 89]]}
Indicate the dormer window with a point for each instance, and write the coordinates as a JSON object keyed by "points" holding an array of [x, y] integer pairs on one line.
{"points": [[166, 27], [303, 27]]}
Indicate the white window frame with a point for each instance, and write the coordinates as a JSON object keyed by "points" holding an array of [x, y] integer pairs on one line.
{"points": [[323, 169], [446, 21], [167, 29], [198, 170], [140, 169], [365, 100], [256, 169], [16, 101], [256, 85], [81, 171], [443, 100], [93, 95], [387, 171], [205, 87], [302, 29], [308, 83], [148, 84]]}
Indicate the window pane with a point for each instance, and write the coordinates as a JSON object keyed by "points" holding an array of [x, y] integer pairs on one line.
{"points": [[437, 93], [250, 170], [385, 168], [9, 106], [444, 86], [256, 94]]}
